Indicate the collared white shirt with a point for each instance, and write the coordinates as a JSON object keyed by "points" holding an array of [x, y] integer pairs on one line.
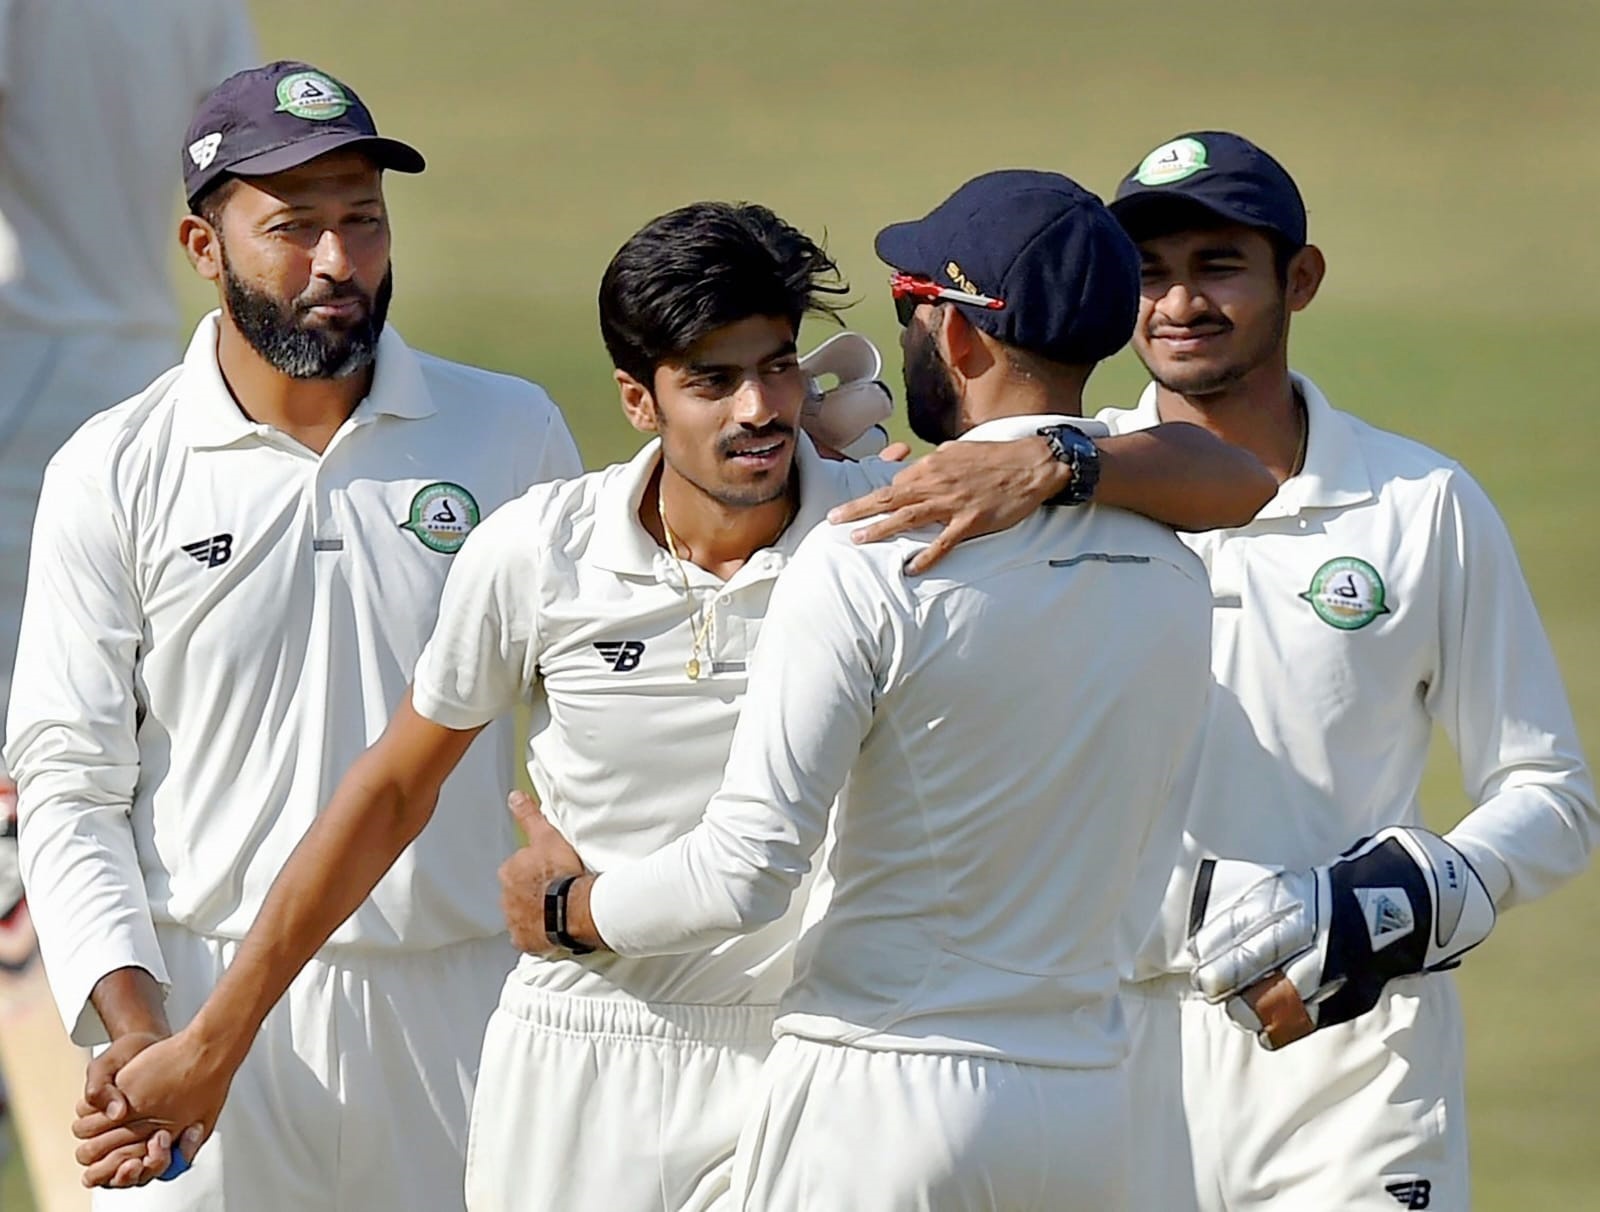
{"points": [[1375, 596], [95, 97], [218, 623], [1010, 732], [564, 600]]}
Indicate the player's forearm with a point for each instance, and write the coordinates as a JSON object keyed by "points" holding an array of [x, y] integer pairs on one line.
{"points": [[371, 819], [129, 1002], [1182, 476]]}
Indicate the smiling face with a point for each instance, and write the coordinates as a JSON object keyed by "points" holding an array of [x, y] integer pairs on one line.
{"points": [[302, 261], [1214, 308], [727, 410]]}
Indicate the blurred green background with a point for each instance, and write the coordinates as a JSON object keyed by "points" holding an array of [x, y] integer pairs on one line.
{"points": [[1447, 150]]}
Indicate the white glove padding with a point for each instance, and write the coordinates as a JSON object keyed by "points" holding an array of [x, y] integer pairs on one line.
{"points": [[846, 416], [1400, 902]]}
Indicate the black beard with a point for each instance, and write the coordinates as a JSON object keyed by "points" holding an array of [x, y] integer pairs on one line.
{"points": [[933, 406], [276, 332]]}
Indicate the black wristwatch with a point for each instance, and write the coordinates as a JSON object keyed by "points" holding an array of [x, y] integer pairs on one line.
{"points": [[1070, 445], [555, 916]]}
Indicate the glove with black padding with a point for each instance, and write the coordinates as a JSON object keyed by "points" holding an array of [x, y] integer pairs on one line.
{"points": [[1293, 951], [845, 417]]}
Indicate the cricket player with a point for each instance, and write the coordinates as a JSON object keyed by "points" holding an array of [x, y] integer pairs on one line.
{"points": [[233, 575], [94, 95], [955, 1001], [1376, 596], [623, 607]]}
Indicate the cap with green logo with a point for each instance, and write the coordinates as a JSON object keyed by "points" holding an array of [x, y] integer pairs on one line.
{"points": [[1213, 171], [270, 119]]}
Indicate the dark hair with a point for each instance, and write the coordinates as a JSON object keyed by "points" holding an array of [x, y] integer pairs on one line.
{"points": [[208, 205], [700, 268]]}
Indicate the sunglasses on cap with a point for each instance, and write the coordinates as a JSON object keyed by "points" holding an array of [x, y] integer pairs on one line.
{"points": [[910, 291]]}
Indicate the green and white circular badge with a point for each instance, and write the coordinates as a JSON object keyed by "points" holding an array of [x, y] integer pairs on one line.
{"points": [[312, 96], [442, 515], [1172, 162], [1347, 593]]}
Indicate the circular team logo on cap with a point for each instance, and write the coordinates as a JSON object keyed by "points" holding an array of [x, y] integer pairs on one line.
{"points": [[1171, 162], [1347, 593], [442, 515], [312, 96]]}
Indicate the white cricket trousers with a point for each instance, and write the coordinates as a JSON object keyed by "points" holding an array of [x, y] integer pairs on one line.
{"points": [[843, 1129], [50, 384], [591, 1104], [1368, 1116], [356, 1094]]}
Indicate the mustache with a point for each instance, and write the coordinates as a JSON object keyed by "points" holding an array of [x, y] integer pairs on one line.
{"points": [[333, 294], [772, 429], [1160, 324]]}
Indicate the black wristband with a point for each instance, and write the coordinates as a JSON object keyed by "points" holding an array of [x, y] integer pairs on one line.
{"points": [[555, 916], [1074, 448]]}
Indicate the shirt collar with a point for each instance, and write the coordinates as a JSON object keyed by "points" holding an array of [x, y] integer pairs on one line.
{"points": [[620, 543], [1026, 425], [1335, 472], [210, 419]]}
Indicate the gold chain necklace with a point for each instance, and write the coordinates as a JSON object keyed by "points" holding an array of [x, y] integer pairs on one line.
{"points": [[700, 631]]}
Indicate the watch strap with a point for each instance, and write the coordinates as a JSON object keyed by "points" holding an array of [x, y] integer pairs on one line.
{"points": [[555, 916]]}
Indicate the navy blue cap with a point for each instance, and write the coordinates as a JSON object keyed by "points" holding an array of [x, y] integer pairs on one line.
{"points": [[1225, 174], [273, 118], [1041, 243]]}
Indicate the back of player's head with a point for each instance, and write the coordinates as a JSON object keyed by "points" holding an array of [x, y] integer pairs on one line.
{"points": [[702, 267], [1031, 258]]}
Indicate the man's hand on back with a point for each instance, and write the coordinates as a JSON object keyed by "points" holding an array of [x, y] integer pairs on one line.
{"points": [[525, 875]]}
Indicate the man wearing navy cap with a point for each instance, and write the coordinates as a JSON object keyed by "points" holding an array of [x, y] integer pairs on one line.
{"points": [[1376, 596], [234, 573], [952, 1037]]}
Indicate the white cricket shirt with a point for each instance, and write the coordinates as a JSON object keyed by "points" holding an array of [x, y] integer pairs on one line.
{"points": [[1010, 732], [1376, 595], [564, 600], [95, 96], [218, 623]]}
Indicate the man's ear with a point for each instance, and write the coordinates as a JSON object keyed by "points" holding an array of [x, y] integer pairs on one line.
{"points": [[202, 245], [1306, 270], [964, 348], [638, 404]]}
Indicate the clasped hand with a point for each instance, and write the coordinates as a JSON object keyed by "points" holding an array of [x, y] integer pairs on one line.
{"points": [[140, 1095]]}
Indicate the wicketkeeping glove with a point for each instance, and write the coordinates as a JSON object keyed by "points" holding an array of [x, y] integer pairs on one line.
{"points": [[846, 416], [1293, 951]]}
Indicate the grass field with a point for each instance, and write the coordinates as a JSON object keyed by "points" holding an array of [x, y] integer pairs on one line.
{"points": [[1446, 149]]}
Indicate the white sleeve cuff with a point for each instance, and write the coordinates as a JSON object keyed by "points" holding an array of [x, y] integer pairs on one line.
{"points": [[446, 713], [72, 990], [1491, 869]]}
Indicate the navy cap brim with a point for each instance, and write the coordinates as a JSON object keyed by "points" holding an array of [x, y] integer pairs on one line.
{"points": [[1142, 208], [385, 153], [899, 245], [1144, 211]]}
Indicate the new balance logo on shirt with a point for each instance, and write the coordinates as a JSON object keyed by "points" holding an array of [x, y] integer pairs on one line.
{"points": [[622, 655], [1412, 1192], [218, 549]]}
